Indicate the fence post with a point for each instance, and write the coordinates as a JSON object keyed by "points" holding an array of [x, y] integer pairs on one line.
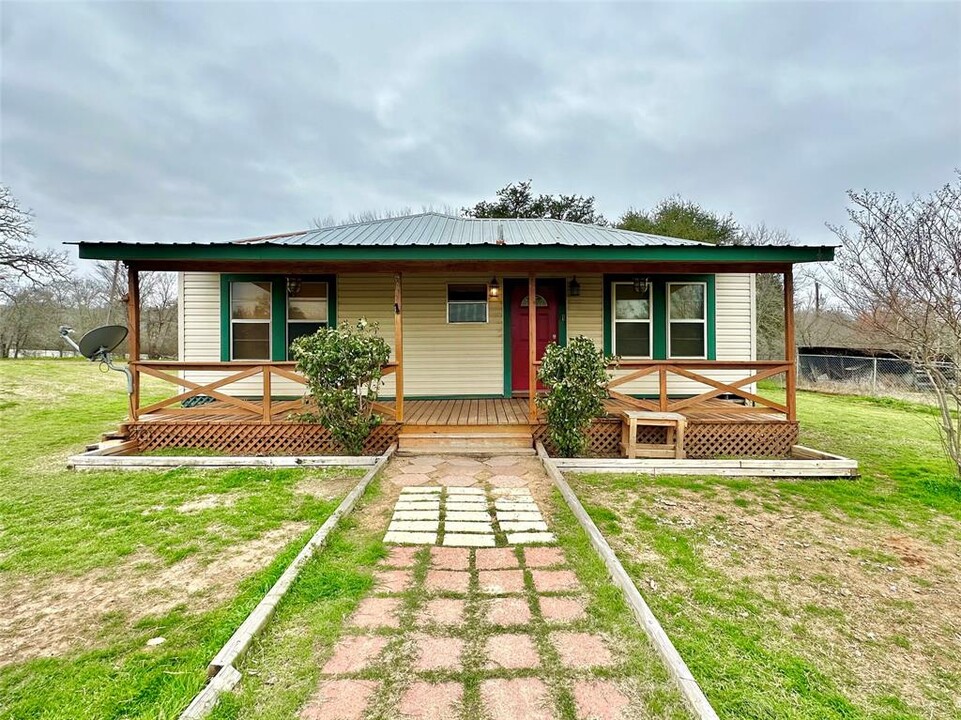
{"points": [[874, 376]]}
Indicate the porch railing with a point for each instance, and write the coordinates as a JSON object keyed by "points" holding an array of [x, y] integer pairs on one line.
{"points": [[243, 408], [688, 369]]}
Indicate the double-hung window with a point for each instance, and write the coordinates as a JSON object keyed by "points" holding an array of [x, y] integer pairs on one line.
{"points": [[687, 320], [250, 312], [306, 310], [632, 331], [467, 303]]}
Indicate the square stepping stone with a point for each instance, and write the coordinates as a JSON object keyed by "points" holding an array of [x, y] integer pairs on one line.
{"points": [[508, 611], [500, 582], [531, 538], [465, 491], [517, 526], [417, 505], [468, 540], [437, 653], [414, 526], [442, 611], [541, 557], [431, 701], [457, 526], [392, 581], [599, 700], [511, 652], [510, 492], [467, 516], [374, 612], [410, 538], [516, 506], [454, 581], [449, 558], [400, 557], [342, 699], [526, 698], [416, 515], [562, 609], [516, 515], [554, 581], [354, 653], [496, 559], [581, 650], [466, 504]]}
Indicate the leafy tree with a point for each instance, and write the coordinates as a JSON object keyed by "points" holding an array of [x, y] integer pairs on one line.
{"points": [[342, 366], [517, 200], [676, 217], [19, 259], [576, 376]]}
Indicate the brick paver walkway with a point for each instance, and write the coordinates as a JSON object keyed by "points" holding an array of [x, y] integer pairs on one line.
{"points": [[470, 633]]}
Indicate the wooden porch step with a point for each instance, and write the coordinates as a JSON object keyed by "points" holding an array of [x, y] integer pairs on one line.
{"points": [[483, 440]]}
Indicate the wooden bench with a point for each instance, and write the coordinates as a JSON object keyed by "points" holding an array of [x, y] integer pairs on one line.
{"points": [[674, 422]]}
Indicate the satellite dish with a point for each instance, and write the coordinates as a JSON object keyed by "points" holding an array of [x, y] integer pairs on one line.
{"points": [[102, 340]]}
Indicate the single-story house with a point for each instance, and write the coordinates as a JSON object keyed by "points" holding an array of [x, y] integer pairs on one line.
{"points": [[452, 296]]}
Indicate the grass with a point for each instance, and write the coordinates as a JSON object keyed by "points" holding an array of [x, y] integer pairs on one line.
{"points": [[86, 557], [807, 599]]}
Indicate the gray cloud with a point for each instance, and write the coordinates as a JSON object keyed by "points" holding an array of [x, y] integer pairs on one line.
{"points": [[211, 121]]}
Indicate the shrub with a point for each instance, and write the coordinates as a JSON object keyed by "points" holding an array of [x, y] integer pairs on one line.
{"points": [[576, 376], [342, 366]]}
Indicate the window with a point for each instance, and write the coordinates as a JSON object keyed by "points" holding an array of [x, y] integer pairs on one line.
{"points": [[632, 321], [539, 301], [306, 311], [687, 320], [467, 303], [250, 320]]}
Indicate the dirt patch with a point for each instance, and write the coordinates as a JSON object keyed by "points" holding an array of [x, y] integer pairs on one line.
{"points": [[878, 611], [327, 487], [207, 502], [54, 616]]}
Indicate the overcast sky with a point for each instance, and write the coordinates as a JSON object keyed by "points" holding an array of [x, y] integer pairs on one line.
{"points": [[214, 121]]}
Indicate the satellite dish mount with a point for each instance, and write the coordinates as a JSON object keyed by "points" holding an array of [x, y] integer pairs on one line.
{"points": [[97, 345]]}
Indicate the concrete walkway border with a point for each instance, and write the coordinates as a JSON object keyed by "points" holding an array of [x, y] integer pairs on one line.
{"points": [[222, 669], [105, 460], [696, 701]]}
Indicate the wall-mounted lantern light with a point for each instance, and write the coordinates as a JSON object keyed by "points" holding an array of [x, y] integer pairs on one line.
{"points": [[493, 289], [293, 285], [574, 287], [641, 285]]}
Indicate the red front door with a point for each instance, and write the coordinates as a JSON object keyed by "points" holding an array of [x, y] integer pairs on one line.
{"points": [[547, 314]]}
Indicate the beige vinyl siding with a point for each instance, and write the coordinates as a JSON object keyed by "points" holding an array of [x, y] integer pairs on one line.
{"points": [[458, 359]]}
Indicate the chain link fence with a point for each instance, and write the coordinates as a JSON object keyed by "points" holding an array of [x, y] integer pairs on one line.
{"points": [[874, 376]]}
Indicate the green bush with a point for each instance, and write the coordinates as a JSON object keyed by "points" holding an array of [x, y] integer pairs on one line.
{"points": [[576, 376], [342, 366]]}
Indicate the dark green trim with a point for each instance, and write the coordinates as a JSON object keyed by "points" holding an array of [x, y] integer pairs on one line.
{"points": [[278, 309], [560, 284], [659, 311], [264, 252]]}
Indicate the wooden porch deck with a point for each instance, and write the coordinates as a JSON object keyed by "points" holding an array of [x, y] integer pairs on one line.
{"points": [[467, 412]]}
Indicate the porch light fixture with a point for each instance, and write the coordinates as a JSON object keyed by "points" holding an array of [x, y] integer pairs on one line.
{"points": [[574, 287], [641, 285], [293, 285], [493, 289]]}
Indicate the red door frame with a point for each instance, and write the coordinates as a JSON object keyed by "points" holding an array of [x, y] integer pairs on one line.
{"points": [[516, 288]]}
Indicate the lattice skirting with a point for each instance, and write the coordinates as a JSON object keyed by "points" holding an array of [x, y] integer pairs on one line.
{"points": [[254, 439], [702, 440]]}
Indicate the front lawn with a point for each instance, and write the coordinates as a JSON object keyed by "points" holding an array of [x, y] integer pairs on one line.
{"points": [[93, 565], [807, 599]]}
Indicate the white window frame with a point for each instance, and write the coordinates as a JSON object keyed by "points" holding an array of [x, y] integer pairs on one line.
{"points": [[269, 322], [287, 320], [649, 321], [670, 321], [487, 304]]}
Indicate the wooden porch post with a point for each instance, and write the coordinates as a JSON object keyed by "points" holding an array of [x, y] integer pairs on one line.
{"points": [[790, 350], [133, 337], [531, 347], [399, 347]]}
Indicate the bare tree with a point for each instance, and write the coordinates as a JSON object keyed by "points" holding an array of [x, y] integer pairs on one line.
{"points": [[900, 272], [19, 259]]}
